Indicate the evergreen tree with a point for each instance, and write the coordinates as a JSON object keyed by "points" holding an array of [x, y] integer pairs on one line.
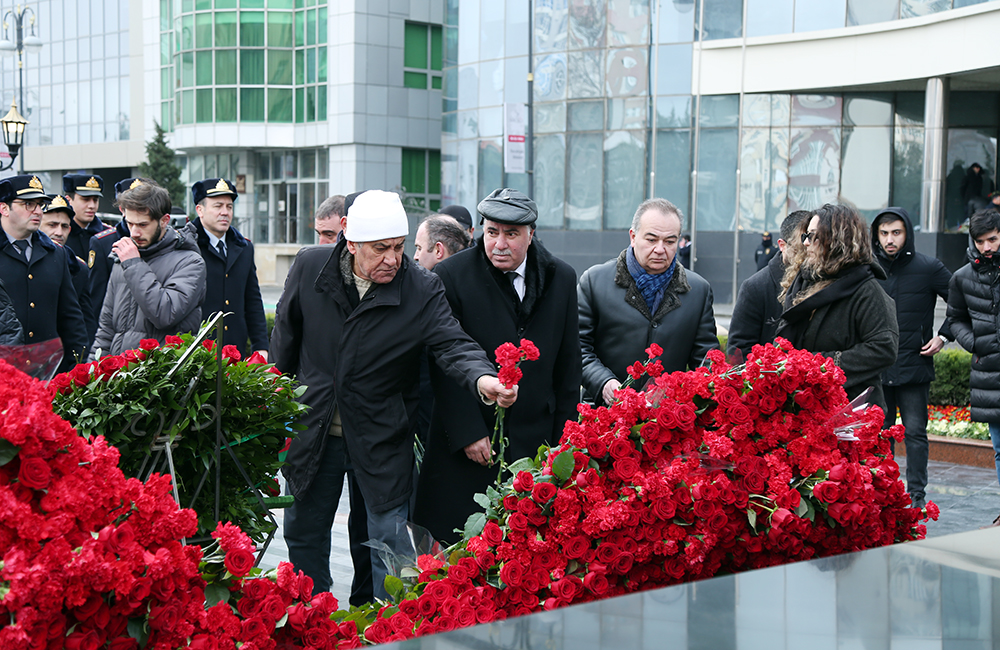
{"points": [[162, 168]]}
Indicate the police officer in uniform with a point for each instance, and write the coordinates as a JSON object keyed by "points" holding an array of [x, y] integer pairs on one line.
{"points": [[83, 192], [99, 259], [229, 261], [57, 220], [36, 272]]}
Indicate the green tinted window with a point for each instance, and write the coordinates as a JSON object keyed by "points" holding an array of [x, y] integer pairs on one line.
{"points": [[300, 104], [280, 4], [225, 4], [251, 104], [252, 4], [311, 27], [166, 91], [415, 46], [203, 68], [279, 29], [202, 4], [225, 105], [321, 65], [433, 172], [436, 83], [187, 6], [311, 104], [251, 66], [225, 67], [279, 104], [414, 79], [204, 105], [322, 28], [321, 103], [279, 67], [414, 170], [436, 50], [187, 107], [225, 29], [187, 69], [203, 30], [300, 66], [300, 28], [311, 66], [252, 28], [165, 117], [187, 32]]}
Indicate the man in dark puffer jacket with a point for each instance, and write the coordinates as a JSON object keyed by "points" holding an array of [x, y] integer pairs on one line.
{"points": [[973, 305], [914, 281]]}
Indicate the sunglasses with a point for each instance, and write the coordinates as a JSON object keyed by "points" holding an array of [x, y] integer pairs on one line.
{"points": [[808, 236]]}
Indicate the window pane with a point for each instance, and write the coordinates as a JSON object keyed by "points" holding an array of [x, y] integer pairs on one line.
{"points": [[279, 67], [279, 29], [763, 190], [436, 47], [719, 110], [187, 69], [767, 17], [625, 176], [279, 105], [166, 91], [965, 147], [280, 4], [252, 66], [225, 4], [813, 168], [308, 164], [869, 110], [673, 72], [202, 4], [816, 110], [300, 104], [321, 65], [311, 66], [673, 167], [300, 28], [322, 26], [433, 172], [300, 66], [414, 170], [415, 46], [311, 104], [187, 107], [187, 32], [912, 8], [225, 105], [252, 28], [490, 165], [436, 83], [586, 74], [203, 30], [321, 104], [225, 29], [586, 158], [415, 79], [866, 164], [864, 12], [225, 67], [204, 105], [251, 104], [717, 179], [203, 68], [819, 14], [311, 27], [723, 19], [586, 116]]}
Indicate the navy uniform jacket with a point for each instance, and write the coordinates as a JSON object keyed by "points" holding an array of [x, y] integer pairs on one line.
{"points": [[100, 265], [78, 240], [44, 297], [232, 287], [81, 283]]}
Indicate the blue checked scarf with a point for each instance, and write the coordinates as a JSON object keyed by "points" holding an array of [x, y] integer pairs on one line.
{"points": [[650, 286]]}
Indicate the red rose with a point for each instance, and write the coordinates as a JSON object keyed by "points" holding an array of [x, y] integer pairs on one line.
{"points": [[523, 482], [208, 344], [316, 637], [597, 583], [517, 522], [544, 492], [239, 561], [82, 641], [81, 374], [173, 341], [89, 608], [121, 538], [575, 547], [253, 628], [828, 491], [622, 448], [597, 448], [149, 344], [256, 358], [232, 353], [108, 365], [492, 533], [128, 643], [511, 573], [34, 473]]}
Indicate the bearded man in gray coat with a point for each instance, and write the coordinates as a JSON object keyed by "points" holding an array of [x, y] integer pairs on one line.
{"points": [[643, 297], [157, 284]]}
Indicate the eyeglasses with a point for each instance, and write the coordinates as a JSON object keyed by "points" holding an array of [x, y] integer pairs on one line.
{"points": [[30, 206], [808, 236]]}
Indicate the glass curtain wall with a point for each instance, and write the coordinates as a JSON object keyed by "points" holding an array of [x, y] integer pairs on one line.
{"points": [[288, 186]]}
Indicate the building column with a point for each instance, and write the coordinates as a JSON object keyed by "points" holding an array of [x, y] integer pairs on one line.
{"points": [[935, 154]]}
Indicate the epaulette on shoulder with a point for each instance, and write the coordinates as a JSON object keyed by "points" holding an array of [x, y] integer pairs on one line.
{"points": [[104, 233]]}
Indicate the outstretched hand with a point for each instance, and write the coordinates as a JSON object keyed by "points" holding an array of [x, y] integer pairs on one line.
{"points": [[491, 389]]}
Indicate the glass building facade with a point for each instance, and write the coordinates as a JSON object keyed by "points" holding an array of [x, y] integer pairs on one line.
{"points": [[616, 118]]}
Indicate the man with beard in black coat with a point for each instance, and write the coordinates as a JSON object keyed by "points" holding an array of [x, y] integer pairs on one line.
{"points": [[507, 287], [914, 281]]}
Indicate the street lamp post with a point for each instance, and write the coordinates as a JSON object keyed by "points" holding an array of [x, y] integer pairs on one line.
{"points": [[19, 44]]}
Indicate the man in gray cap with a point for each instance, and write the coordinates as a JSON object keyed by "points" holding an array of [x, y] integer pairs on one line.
{"points": [[643, 297], [506, 288], [462, 216], [351, 324]]}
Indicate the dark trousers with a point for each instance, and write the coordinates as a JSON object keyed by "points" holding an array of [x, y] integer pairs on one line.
{"points": [[912, 402], [309, 522]]}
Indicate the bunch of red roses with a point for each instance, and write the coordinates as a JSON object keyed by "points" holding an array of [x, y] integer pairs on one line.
{"points": [[717, 470]]}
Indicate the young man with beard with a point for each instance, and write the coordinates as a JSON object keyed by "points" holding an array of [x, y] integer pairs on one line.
{"points": [[834, 304], [158, 282], [914, 281], [36, 272], [973, 307]]}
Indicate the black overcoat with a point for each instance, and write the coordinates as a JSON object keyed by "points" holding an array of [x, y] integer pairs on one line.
{"points": [[364, 357], [485, 304], [757, 309], [78, 240], [232, 287], [43, 296]]}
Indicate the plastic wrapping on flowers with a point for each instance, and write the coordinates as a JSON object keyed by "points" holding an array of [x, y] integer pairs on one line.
{"points": [[129, 400]]}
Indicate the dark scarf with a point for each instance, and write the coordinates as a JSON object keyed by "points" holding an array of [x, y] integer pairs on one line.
{"points": [[650, 286], [797, 317]]}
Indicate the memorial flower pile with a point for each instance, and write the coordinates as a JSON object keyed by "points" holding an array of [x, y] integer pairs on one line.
{"points": [[133, 398]]}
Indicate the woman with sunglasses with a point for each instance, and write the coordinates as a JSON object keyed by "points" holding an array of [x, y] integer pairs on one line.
{"points": [[834, 305]]}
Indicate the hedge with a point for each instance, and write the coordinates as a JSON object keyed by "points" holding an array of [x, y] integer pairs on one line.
{"points": [[951, 383]]}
